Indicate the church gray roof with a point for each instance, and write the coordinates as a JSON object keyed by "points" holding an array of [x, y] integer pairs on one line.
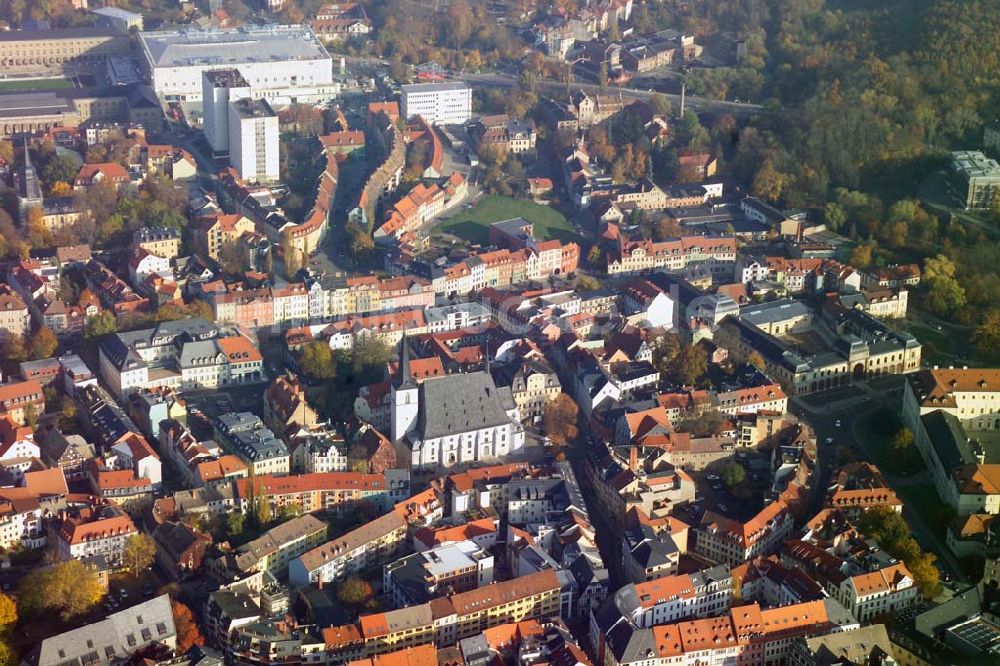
{"points": [[461, 403]]}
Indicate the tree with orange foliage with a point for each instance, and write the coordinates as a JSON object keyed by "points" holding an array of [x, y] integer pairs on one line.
{"points": [[187, 629]]}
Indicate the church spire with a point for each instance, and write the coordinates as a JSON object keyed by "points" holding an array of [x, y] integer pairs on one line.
{"points": [[405, 377]]}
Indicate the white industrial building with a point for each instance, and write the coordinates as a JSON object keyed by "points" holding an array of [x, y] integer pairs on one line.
{"points": [[268, 57], [438, 103], [253, 139], [219, 87]]}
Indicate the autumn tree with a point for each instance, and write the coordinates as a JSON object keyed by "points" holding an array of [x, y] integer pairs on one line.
{"points": [[594, 255], [138, 553], [13, 350], [354, 591], [666, 228], [863, 255], [39, 235], [317, 361], [756, 360], [892, 533], [944, 294], [188, 635], [986, 336], [769, 183], [68, 589], [689, 365], [43, 344], [8, 612], [560, 418], [99, 324]]}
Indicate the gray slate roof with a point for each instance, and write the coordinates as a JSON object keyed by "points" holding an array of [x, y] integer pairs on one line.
{"points": [[112, 639], [461, 403]]}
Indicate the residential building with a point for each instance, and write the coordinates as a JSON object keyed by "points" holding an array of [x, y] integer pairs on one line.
{"points": [[729, 541], [114, 639], [886, 591], [15, 319], [371, 544], [101, 531], [180, 549], [273, 550], [182, 355], [253, 139], [245, 434], [21, 400], [444, 569], [437, 103], [336, 492], [161, 241], [219, 87]]}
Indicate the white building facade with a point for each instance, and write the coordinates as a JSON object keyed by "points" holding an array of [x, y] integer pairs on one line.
{"points": [[253, 140], [275, 56], [438, 103]]}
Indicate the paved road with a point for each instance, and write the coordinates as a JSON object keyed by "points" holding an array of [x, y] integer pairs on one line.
{"points": [[692, 102]]}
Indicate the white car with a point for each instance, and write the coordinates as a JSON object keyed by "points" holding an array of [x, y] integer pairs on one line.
{"points": [[828, 440], [837, 423], [712, 477]]}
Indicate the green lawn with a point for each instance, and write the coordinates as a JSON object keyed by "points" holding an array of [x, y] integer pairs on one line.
{"points": [[34, 84], [473, 224]]}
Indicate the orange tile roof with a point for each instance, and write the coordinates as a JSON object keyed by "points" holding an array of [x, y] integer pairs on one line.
{"points": [[511, 633], [111, 170], [707, 634], [883, 581], [74, 532], [30, 389], [667, 638], [240, 350], [465, 481], [347, 634], [464, 532], [652, 592], [302, 483], [421, 655], [214, 470], [939, 386]]}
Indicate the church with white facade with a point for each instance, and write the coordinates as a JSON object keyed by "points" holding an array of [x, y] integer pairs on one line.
{"points": [[454, 419]]}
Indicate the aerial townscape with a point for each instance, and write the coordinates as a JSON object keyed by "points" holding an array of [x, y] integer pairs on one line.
{"points": [[499, 332]]}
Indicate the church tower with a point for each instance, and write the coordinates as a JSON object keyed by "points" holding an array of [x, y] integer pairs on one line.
{"points": [[405, 396]]}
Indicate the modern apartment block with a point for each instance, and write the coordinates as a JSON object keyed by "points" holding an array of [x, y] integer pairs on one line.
{"points": [[438, 103], [253, 139], [219, 87]]}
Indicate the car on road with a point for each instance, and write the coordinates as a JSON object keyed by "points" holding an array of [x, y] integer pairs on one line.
{"points": [[828, 440], [712, 477], [723, 507], [837, 423]]}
